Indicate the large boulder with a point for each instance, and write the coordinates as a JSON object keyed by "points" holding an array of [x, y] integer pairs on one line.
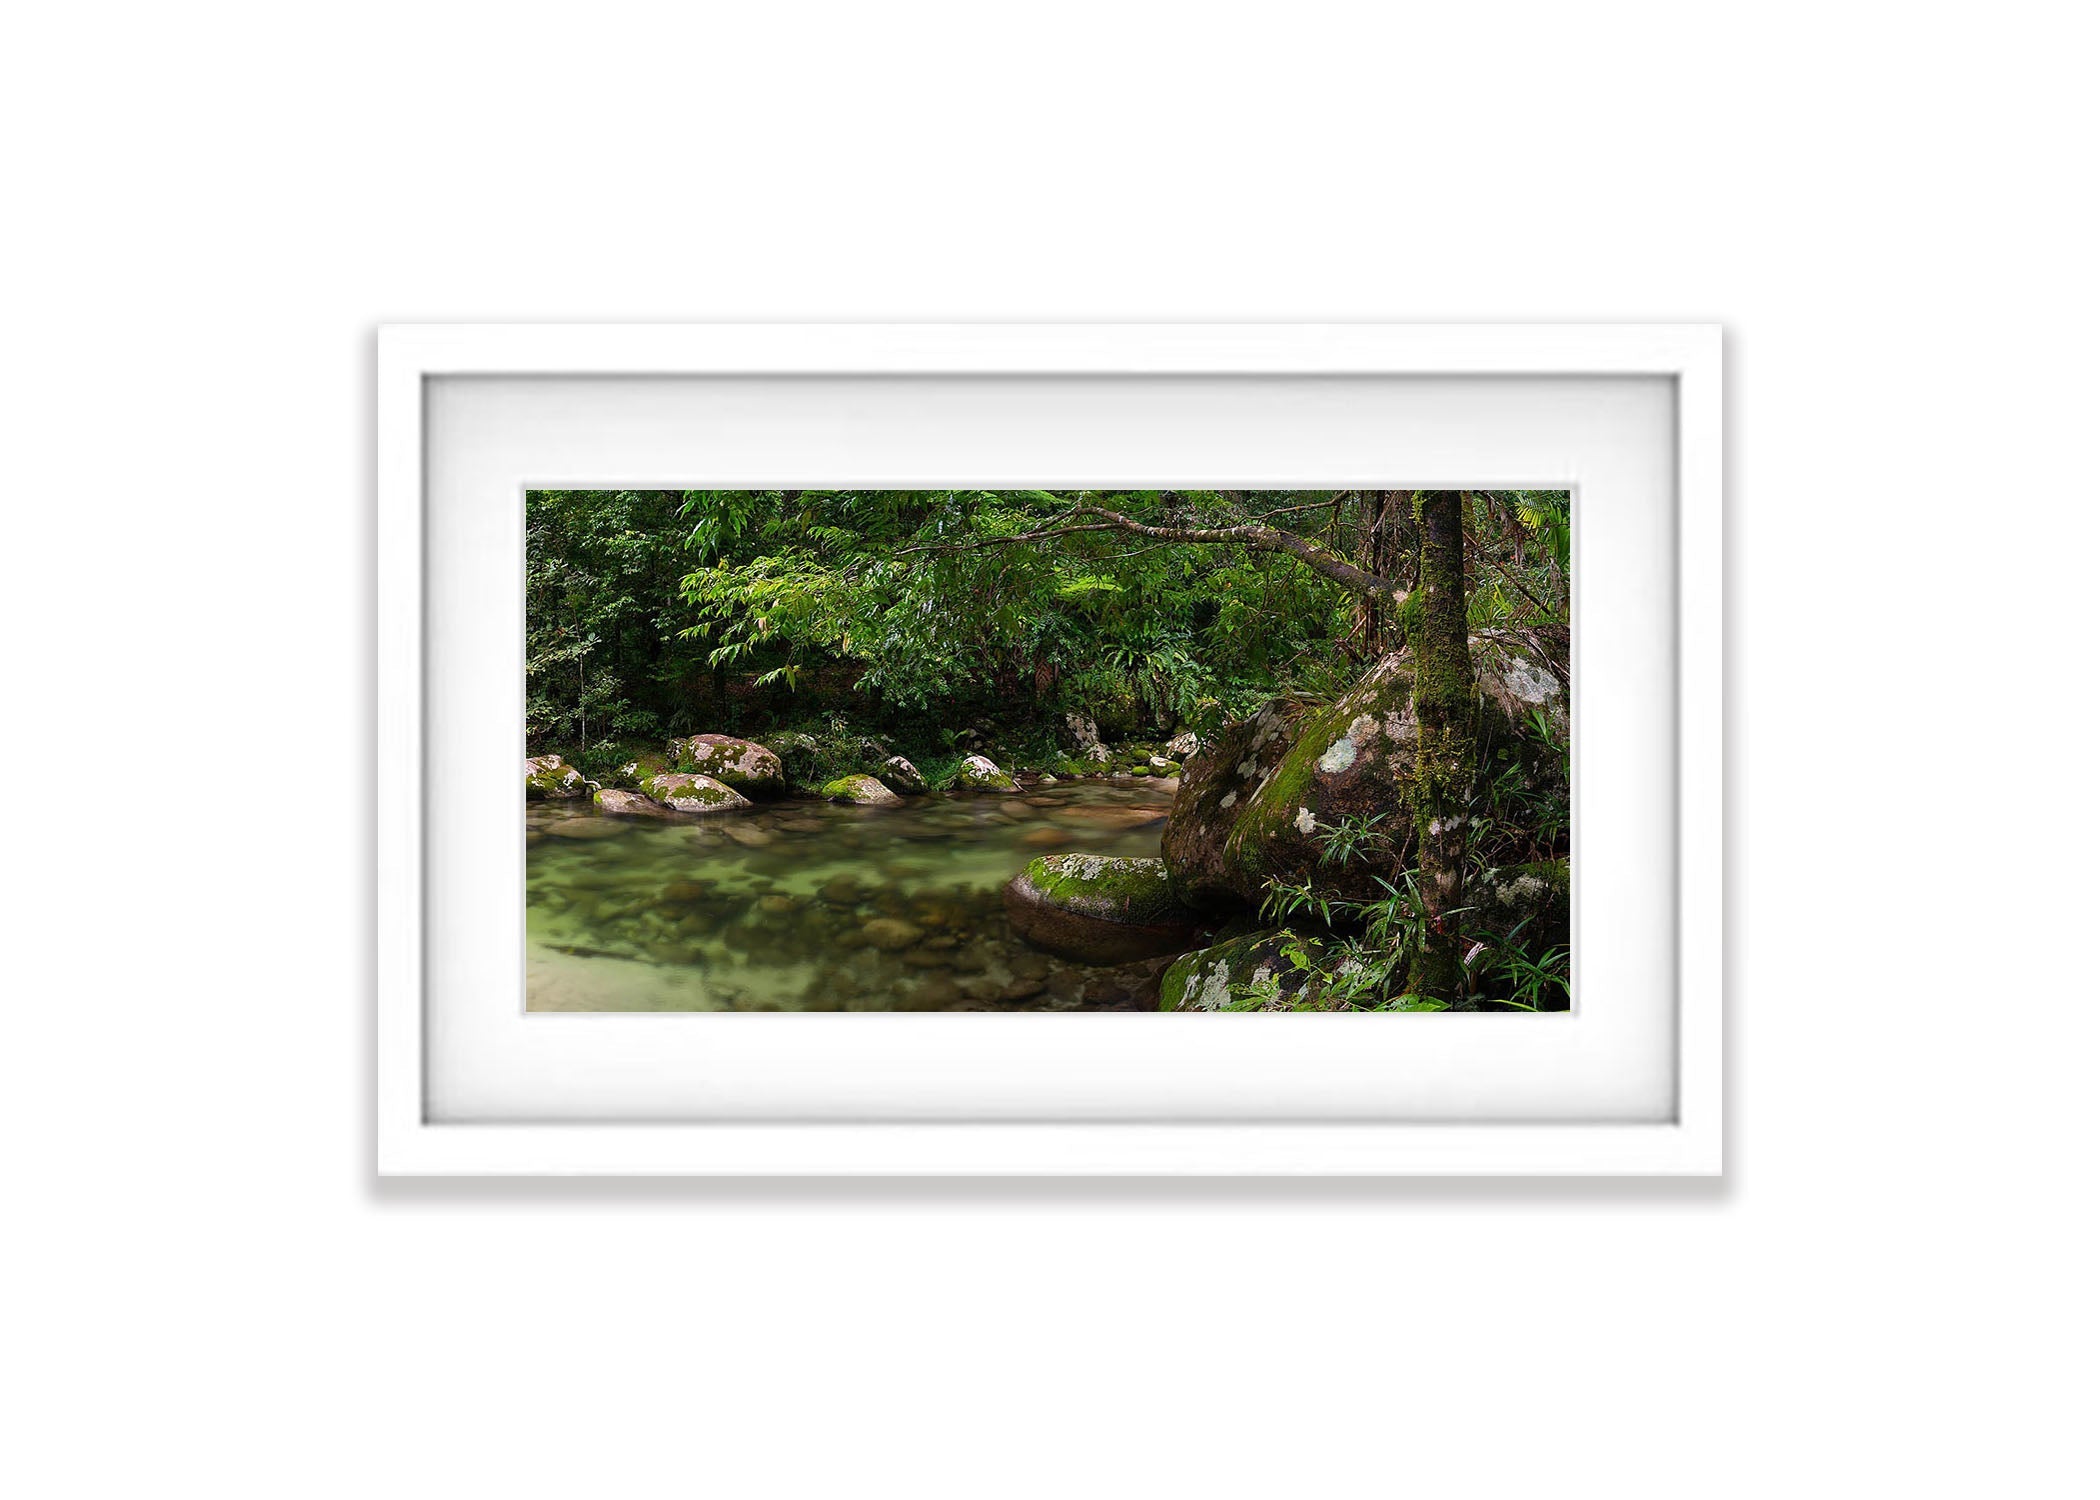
{"points": [[1239, 823], [1183, 745], [741, 765], [1215, 787], [1260, 971], [548, 778], [1347, 761], [1516, 682], [864, 791], [1098, 909], [979, 775], [690, 792], [900, 775]]}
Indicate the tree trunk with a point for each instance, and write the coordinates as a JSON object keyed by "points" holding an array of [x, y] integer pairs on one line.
{"points": [[1442, 780], [1388, 545]]}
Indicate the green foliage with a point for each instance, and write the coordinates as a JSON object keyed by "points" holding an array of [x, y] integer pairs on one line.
{"points": [[843, 625], [604, 662], [745, 611], [1517, 813], [909, 592]]}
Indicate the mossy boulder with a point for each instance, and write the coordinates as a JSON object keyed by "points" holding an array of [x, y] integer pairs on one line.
{"points": [[1252, 809], [1516, 682], [626, 804], [1261, 970], [548, 778], [1215, 786], [635, 774], [690, 792], [741, 765], [864, 791], [901, 776], [1348, 761], [978, 774], [1098, 909]]}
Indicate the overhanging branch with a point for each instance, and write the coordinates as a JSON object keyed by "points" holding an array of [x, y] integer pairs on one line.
{"points": [[1328, 564]]}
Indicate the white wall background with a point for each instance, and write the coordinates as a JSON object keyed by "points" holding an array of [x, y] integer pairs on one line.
{"points": [[209, 207]]}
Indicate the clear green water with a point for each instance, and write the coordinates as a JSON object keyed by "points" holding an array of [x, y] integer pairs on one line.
{"points": [[810, 906]]}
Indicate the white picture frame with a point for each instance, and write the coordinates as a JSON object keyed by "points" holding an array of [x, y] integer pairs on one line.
{"points": [[1685, 1138]]}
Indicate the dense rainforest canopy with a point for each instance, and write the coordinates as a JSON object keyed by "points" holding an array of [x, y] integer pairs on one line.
{"points": [[745, 611], [945, 621]]}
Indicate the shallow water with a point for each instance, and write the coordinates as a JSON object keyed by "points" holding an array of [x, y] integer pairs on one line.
{"points": [[804, 905]]}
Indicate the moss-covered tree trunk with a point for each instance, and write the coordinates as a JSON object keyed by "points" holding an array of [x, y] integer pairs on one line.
{"points": [[1442, 778]]}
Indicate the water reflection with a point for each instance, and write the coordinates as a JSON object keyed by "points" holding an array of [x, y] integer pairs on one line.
{"points": [[811, 906]]}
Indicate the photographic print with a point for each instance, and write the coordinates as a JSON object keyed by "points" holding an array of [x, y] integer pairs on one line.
{"points": [[1095, 750]]}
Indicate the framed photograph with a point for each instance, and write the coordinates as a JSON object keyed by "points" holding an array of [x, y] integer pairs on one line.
{"points": [[1082, 750]]}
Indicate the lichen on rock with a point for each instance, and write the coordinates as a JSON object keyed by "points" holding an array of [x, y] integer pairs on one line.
{"points": [[1098, 909], [548, 777], [863, 791], [901, 776], [1214, 783], [691, 792], [634, 774], [741, 765], [1256, 971], [980, 774], [1252, 810]]}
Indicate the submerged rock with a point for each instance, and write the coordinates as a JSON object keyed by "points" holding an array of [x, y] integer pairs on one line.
{"points": [[1098, 909], [890, 934], [626, 804], [864, 791], [689, 792], [841, 890], [547, 777], [900, 775], [748, 768], [979, 774], [584, 828], [1260, 967]]}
